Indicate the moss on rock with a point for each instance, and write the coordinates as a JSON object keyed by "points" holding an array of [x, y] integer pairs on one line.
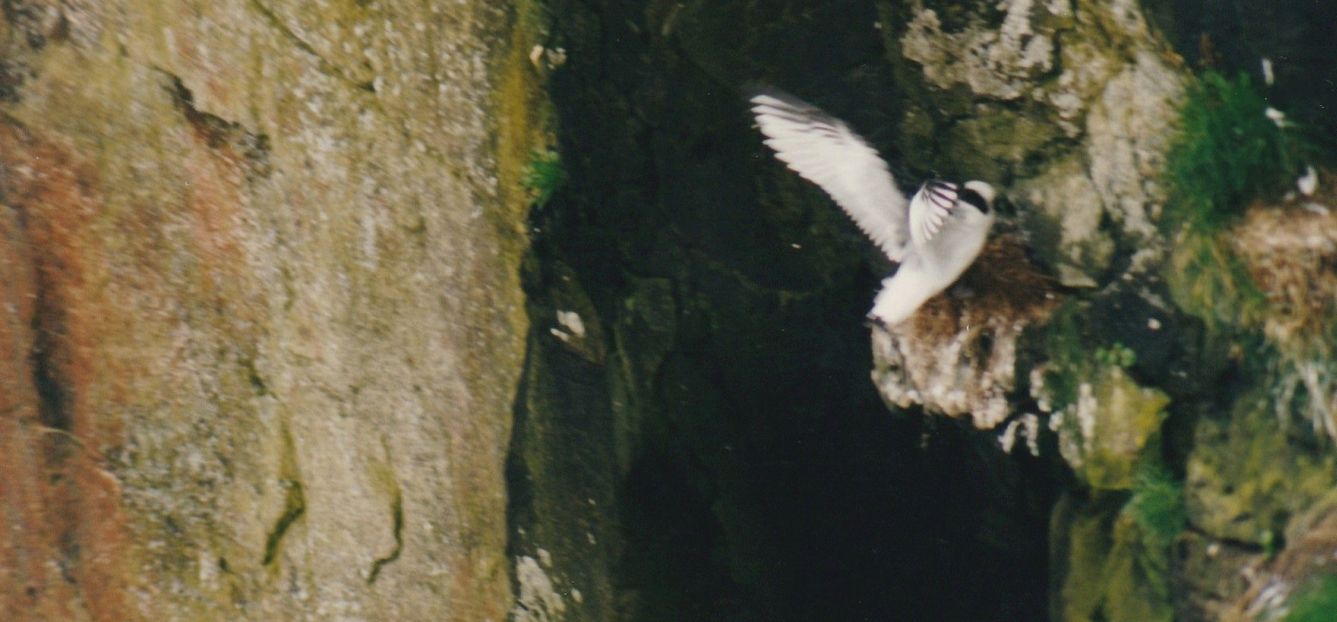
{"points": [[1105, 566], [1104, 418], [1247, 475], [1104, 421]]}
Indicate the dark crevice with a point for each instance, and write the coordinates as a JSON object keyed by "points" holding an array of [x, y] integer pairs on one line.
{"points": [[51, 395], [519, 485], [1252, 548], [219, 133], [48, 329], [294, 507], [397, 524], [48, 324], [764, 477], [325, 65], [294, 498]]}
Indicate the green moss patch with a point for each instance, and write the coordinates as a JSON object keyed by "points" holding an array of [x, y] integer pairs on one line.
{"points": [[1231, 148], [1157, 505], [543, 176], [1206, 279], [1106, 567]]}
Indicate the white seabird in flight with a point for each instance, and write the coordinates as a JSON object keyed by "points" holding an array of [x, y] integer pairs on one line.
{"points": [[934, 235]]}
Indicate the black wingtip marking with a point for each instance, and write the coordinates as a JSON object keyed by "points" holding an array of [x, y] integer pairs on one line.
{"points": [[942, 193]]}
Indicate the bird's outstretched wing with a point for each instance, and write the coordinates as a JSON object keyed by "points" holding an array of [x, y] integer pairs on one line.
{"points": [[824, 150], [930, 207]]}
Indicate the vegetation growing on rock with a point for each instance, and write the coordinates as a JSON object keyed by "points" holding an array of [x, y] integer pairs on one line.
{"points": [[1157, 503], [1316, 602], [1230, 147], [543, 176]]}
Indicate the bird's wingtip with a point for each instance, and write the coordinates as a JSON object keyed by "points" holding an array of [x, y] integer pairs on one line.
{"points": [[753, 90], [758, 93]]}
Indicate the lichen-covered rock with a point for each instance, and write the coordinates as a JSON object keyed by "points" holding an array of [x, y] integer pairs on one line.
{"points": [[999, 63], [1070, 222], [1071, 107], [1260, 475], [1247, 476], [1266, 285], [1070, 104], [261, 316], [1103, 419], [1290, 255]]}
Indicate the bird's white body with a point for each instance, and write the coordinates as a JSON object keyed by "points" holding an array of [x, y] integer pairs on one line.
{"points": [[933, 268], [934, 235]]}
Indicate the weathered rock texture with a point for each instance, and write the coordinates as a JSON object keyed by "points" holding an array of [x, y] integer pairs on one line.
{"points": [[1260, 476], [1209, 352], [1069, 106], [261, 321]]}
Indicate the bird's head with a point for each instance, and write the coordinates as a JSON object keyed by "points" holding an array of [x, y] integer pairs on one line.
{"points": [[979, 194]]}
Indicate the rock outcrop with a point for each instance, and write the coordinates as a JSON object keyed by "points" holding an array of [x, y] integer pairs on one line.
{"points": [[1068, 105]]}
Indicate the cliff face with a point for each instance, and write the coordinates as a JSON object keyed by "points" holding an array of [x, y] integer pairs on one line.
{"points": [[369, 310], [262, 319]]}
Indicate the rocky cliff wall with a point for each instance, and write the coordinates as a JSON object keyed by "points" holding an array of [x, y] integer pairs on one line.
{"points": [[261, 308]]}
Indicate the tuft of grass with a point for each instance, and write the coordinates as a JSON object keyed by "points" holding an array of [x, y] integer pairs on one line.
{"points": [[543, 176], [1318, 603], [1157, 503], [1228, 151]]}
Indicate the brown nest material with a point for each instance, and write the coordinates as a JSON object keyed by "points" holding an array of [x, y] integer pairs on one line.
{"points": [[956, 355]]}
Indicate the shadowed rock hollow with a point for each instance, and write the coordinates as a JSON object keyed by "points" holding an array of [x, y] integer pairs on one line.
{"points": [[733, 459]]}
